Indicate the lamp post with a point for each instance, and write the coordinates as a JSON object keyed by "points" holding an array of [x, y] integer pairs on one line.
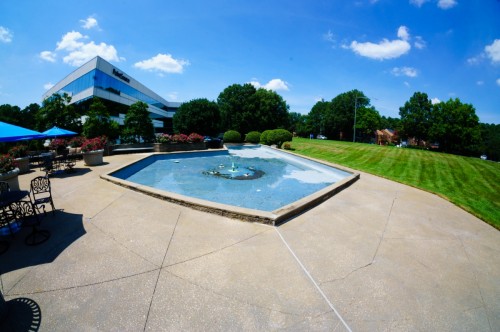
{"points": [[355, 110]]}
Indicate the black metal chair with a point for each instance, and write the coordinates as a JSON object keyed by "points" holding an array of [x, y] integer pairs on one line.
{"points": [[5, 188], [9, 225], [41, 193], [48, 165], [26, 214]]}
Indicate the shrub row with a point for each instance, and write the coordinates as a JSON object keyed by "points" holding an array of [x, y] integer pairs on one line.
{"points": [[268, 137]]}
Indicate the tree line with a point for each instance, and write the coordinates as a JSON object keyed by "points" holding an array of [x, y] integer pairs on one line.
{"points": [[451, 125]]}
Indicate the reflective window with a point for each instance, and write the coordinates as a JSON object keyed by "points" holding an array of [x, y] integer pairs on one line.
{"points": [[106, 82]]}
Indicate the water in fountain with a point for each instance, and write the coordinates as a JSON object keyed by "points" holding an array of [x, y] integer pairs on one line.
{"points": [[231, 173]]}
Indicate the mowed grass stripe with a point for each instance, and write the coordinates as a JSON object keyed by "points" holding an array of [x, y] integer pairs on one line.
{"points": [[470, 183]]}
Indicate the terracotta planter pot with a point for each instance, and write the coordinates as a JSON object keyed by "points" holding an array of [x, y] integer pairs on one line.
{"points": [[11, 178], [93, 158], [23, 164]]}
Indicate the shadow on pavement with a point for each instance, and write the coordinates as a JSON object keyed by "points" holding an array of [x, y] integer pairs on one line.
{"points": [[65, 228], [21, 314]]}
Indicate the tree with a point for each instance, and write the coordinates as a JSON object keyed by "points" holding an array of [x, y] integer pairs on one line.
{"points": [[455, 126], [490, 141], [28, 115], [416, 117], [198, 116], [138, 124], [243, 108], [339, 121], [390, 123], [10, 114], [57, 111], [316, 117], [99, 123], [237, 105], [368, 120], [271, 110]]}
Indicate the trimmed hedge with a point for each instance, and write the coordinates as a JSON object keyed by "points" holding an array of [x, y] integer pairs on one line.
{"points": [[252, 137], [264, 137], [276, 136], [232, 136]]}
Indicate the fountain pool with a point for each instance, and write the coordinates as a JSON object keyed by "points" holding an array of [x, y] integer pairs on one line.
{"points": [[247, 182]]}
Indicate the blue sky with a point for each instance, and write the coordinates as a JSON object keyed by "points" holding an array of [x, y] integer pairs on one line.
{"points": [[304, 50]]}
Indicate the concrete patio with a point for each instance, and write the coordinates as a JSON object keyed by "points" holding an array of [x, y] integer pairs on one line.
{"points": [[378, 256]]}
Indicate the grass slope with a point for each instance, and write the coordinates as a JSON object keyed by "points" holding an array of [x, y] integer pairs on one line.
{"points": [[471, 183]]}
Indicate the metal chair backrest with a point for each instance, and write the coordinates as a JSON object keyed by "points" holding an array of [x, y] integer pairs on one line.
{"points": [[40, 185], [25, 210]]}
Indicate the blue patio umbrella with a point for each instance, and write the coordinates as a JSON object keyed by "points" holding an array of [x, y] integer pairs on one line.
{"points": [[12, 133], [58, 132]]}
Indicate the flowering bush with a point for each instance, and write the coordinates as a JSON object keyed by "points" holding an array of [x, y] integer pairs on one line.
{"points": [[195, 138], [7, 163], [76, 142], [164, 138], [93, 144], [180, 138], [58, 143], [19, 151]]}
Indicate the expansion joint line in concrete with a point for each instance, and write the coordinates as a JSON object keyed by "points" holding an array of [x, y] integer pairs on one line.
{"points": [[385, 228], [214, 251], [159, 271], [313, 281]]}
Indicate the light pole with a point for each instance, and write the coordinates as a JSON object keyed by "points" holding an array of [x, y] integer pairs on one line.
{"points": [[355, 109]]}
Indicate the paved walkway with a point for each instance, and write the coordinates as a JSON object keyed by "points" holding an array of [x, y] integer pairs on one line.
{"points": [[378, 256]]}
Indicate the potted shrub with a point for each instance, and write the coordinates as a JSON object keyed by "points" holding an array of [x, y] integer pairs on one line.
{"points": [[75, 144], [93, 150], [9, 171], [20, 154]]}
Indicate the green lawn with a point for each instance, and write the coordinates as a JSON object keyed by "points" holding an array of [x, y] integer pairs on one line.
{"points": [[471, 183]]}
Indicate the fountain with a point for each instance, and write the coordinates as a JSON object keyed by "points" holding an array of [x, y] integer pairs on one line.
{"points": [[230, 173]]}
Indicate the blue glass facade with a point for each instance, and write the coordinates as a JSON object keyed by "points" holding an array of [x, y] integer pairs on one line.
{"points": [[101, 80]]}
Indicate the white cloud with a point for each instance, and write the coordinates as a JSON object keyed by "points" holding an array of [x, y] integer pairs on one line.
{"points": [[48, 86], [498, 82], [80, 52], [443, 4], [480, 83], [173, 95], [407, 84], [5, 35], [493, 51], [418, 3], [386, 49], [274, 84], [48, 56], [435, 101], [70, 41], [474, 60], [329, 37], [89, 23], [404, 71], [277, 84], [419, 43], [403, 33], [447, 4], [163, 63]]}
